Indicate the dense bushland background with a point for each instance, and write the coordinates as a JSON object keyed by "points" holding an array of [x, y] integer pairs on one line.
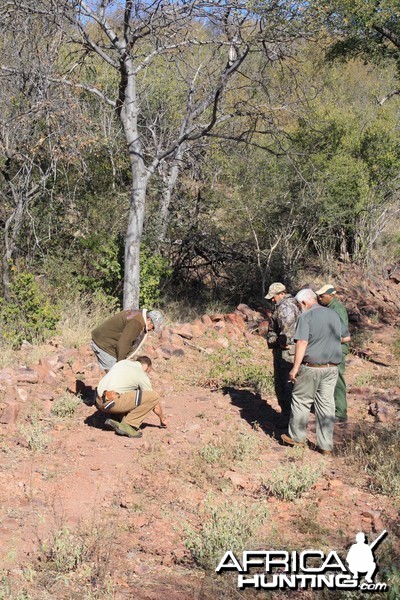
{"points": [[302, 172]]}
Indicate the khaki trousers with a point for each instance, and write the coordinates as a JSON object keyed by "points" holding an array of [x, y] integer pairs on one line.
{"points": [[314, 385], [126, 404]]}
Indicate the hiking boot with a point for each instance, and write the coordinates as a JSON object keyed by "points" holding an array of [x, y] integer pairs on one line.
{"points": [[286, 439], [340, 419], [128, 431], [110, 424]]}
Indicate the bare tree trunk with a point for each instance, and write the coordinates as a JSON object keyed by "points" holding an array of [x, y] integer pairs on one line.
{"points": [[128, 111], [169, 180], [13, 223], [132, 242]]}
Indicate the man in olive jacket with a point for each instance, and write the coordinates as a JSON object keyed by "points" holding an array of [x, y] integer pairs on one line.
{"points": [[122, 335], [280, 339], [327, 297]]}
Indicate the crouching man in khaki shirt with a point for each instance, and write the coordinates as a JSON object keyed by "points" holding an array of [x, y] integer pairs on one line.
{"points": [[126, 390]]}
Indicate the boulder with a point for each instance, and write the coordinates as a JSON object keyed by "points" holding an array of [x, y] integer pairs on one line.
{"points": [[217, 317], [9, 413], [205, 319], [26, 375], [177, 340], [184, 331], [263, 328], [6, 378], [236, 320]]}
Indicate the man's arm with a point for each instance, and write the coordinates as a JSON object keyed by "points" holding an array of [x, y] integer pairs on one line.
{"points": [[159, 412], [344, 333], [287, 319], [301, 346], [272, 334]]}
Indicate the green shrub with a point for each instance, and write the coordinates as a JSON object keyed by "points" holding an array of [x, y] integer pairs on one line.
{"points": [[377, 453], [235, 446], [35, 434], [232, 367], [363, 379], [245, 445], [28, 314], [226, 526], [211, 453], [65, 406], [66, 552], [153, 267], [291, 480]]}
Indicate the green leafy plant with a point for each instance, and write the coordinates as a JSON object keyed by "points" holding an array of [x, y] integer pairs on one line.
{"points": [[66, 552], [229, 525], [153, 267], [28, 314], [211, 453], [235, 446], [65, 406], [290, 481], [363, 379], [35, 432], [232, 367], [377, 453]]}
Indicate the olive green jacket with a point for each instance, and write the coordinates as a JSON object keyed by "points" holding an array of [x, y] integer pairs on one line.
{"points": [[118, 334], [340, 309]]}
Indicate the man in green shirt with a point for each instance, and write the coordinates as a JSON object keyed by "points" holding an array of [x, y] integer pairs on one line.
{"points": [[327, 297], [122, 335]]}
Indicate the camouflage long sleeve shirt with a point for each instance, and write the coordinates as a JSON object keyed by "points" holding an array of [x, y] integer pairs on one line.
{"points": [[283, 323]]}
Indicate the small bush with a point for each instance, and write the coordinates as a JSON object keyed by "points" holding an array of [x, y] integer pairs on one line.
{"points": [[65, 406], [290, 481], [66, 552], [232, 367], [153, 267], [35, 433], [227, 526], [377, 453], [28, 315], [245, 445], [235, 446], [211, 453], [363, 379]]}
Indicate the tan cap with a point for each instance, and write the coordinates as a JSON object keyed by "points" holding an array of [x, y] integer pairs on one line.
{"points": [[326, 289], [275, 288]]}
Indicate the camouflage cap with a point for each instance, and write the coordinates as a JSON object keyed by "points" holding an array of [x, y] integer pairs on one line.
{"points": [[157, 318], [326, 289], [275, 288]]}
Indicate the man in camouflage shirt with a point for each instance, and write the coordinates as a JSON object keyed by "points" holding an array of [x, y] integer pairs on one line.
{"points": [[280, 339]]}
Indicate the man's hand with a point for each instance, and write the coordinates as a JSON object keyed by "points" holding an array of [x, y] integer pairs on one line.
{"points": [[293, 374]]}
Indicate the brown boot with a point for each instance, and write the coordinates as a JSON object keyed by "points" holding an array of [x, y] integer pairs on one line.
{"points": [[286, 439]]}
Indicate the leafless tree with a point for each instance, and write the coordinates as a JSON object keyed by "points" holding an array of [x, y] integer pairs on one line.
{"points": [[205, 44]]}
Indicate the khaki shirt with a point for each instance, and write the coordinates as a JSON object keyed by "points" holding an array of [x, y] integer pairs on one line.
{"points": [[124, 376]]}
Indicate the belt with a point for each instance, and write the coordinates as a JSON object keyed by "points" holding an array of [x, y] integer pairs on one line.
{"points": [[107, 400], [320, 366]]}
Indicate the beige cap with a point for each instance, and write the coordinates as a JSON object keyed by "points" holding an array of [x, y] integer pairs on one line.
{"points": [[275, 288], [326, 289]]}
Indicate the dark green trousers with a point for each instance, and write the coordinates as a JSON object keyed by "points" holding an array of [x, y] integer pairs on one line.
{"points": [[340, 391]]}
